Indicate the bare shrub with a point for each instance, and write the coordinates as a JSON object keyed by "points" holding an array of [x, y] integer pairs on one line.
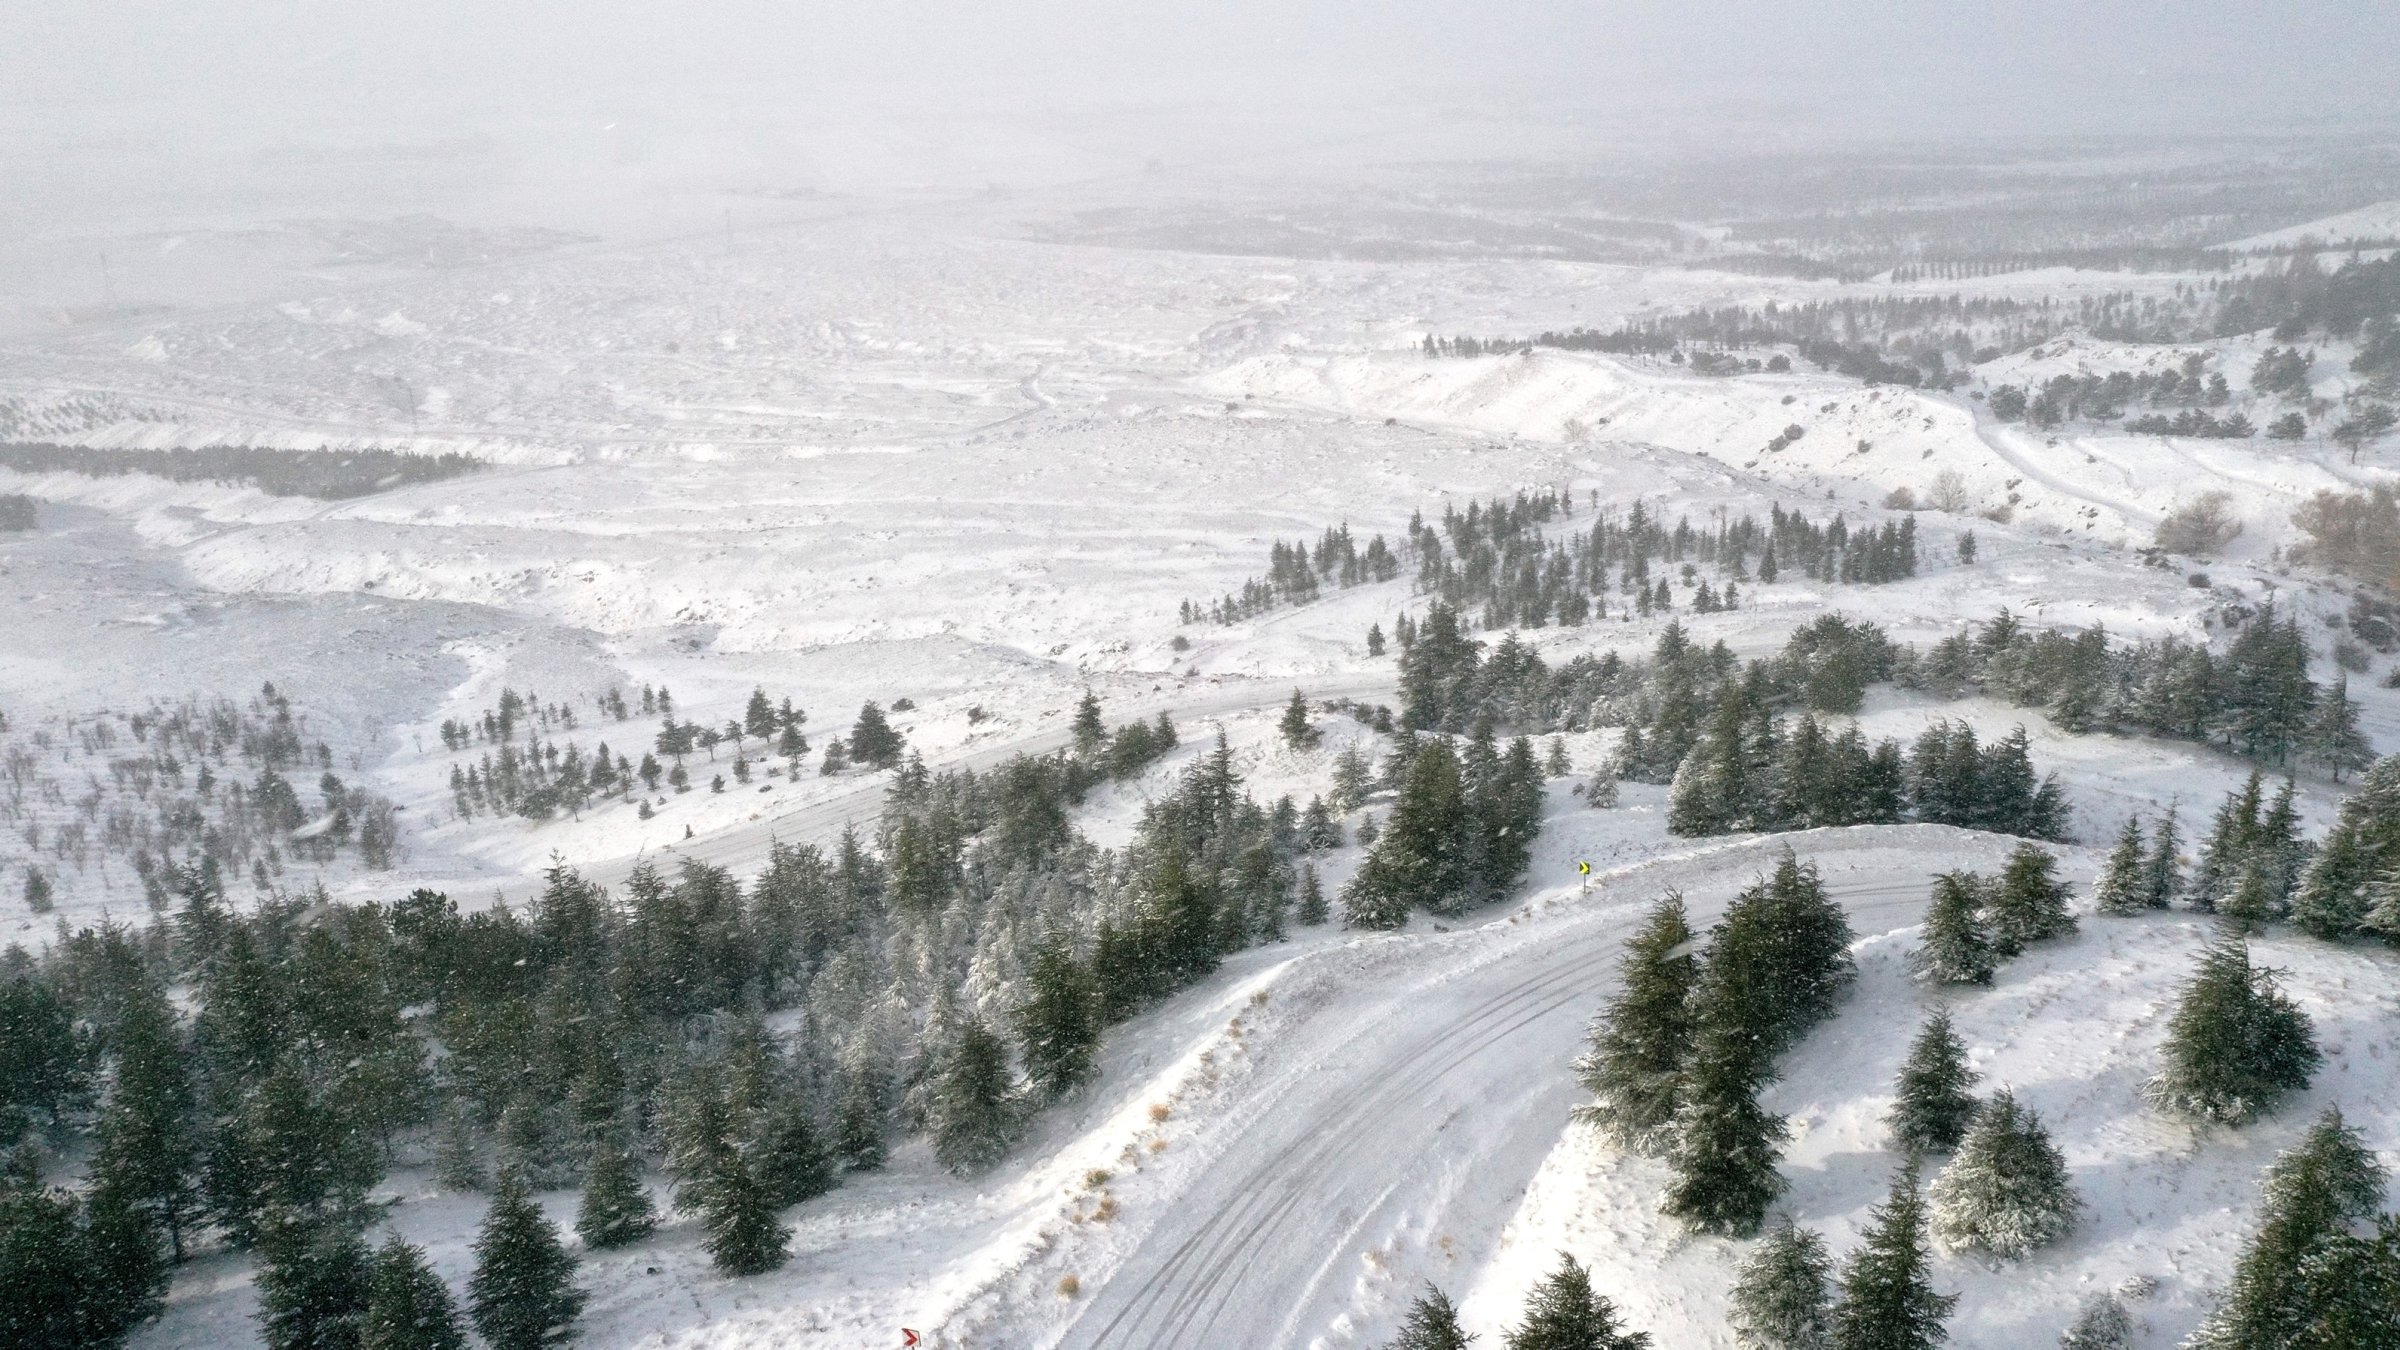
{"points": [[1948, 493], [2354, 533], [1900, 499], [2204, 524]]}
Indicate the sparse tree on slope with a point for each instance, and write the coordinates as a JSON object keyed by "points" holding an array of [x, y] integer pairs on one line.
{"points": [[2307, 1201], [522, 1294], [1955, 948], [2162, 874], [2007, 1191], [1932, 1104], [1565, 1314], [407, 1307], [1638, 1046], [2236, 1045], [2361, 848], [2120, 890], [793, 1162], [1432, 1325], [1782, 1301], [1888, 1300], [1295, 728]]}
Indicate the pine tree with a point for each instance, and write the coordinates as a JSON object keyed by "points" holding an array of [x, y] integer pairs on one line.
{"points": [[2333, 738], [872, 741], [2307, 1200], [147, 1138], [2351, 1289], [744, 1235], [1424, 859], [313, 1282], [1888, 1300], [1089, 731], [2101, 1324], [1781, 1300], [616, 1209], [2362, 847], [859, 1124], [1432, 1325], [2228, 844], [2251, 903], [1059, 1022], [792, 1162], [1312, 909], [974, 1108], [2007, 1191], [407, 1307], [1565, 1314], [2120, 890], [2162, 874], [1781, 957], [522, 1294], [1295, 728], [124, 1267], [1955, 949], [1725, 1144], [2236, 1045], [1932, 1103], [1638, 1045], [1557, 765], [456, 1164], [2030, 903]]}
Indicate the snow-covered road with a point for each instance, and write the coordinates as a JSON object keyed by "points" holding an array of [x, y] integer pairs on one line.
{"points": [[1401, 1120]]}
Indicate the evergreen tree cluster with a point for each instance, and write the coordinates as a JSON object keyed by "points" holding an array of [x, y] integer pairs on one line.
{"points": [[182, 794], [1296, 575], [1460, 835], [1676, 1061], [1974, 922], [1789, 1297]]}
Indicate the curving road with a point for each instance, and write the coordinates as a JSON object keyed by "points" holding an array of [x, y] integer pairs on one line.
{"points": [[1418, 1111]]}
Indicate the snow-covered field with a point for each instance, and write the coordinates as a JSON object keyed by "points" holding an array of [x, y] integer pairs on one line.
{"points": [[897, 458]]}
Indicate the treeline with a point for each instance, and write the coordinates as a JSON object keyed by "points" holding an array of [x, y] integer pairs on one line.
{"points": [[1497, 557], [1297, 574], [947, 978], [328, 474], [2301, 298], [234, 789], [2130, 258]]}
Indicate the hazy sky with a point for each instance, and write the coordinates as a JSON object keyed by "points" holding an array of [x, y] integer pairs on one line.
{"points": [[105, 104]]}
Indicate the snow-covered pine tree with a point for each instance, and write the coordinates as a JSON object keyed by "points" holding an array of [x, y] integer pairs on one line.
{"points": [[2362, 847], [1566, 1314], [1295, 729], [1782, 1299], [1557, 765], [2120, 890], [522, 1294], [2006, 1192], [1059, 1022], [615, 1210], [2351, 1289], [1955, 948], [407, 1307], [2236, 1045], [313, 1280], [858, 1129], [1424, 858], [1601, 792], [1432, 1325], [792, 1160], [2308, 1199], [2100, 1324], [2162, 872], [1887, 1297], [2251, 903], [1782, 952], [1312, 909], [975, 1113], [1636, 1049], [744, 1235], [2333, 738], [2228, 844], [1932, 1103], [2029, 903], [1724, 1144]]}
